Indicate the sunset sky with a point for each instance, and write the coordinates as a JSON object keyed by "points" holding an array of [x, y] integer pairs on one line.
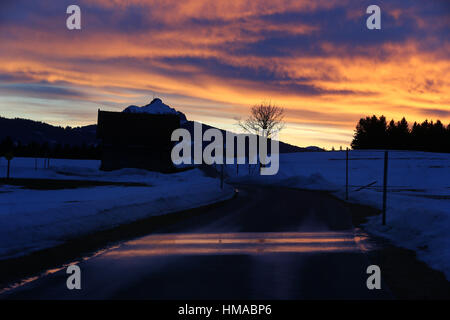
{"points": [[214, 59]]}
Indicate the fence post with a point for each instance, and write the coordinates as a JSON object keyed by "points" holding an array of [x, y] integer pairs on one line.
{"points": [[8, 156], [346, 174], [9, 166], [385, 186]]}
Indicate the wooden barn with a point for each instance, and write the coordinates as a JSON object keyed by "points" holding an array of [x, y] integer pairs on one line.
{"points": [[136, 140]]}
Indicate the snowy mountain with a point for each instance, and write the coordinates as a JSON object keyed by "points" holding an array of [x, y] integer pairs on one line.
{"points": [[156, 107]]}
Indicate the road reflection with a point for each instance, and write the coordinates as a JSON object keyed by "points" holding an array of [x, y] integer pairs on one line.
{"points": [[237, 243]]}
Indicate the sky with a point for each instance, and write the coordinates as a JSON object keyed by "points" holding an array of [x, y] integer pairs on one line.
{"points": [[214, 59]]}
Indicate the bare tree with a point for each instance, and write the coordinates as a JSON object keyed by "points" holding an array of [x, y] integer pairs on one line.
{"points": [[265, 119]]}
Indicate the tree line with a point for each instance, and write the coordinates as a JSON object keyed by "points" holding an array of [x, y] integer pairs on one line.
{"points": [[47, 150], [376, 133]]}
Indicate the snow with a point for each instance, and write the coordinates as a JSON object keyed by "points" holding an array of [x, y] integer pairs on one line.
{"points": [[155, 107], [418, 202], [35, 219]]}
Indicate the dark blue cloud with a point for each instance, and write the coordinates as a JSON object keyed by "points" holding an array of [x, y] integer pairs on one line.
{"points": [[334, 25], [41, 89], [436, 112], [217, 67], [268, 77], [351, 34]]}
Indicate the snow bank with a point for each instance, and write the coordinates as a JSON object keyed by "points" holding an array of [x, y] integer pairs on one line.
{"points": [[418, 205], [35, 219]]}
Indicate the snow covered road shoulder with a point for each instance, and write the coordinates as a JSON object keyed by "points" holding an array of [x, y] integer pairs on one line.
{"points": [[35, 219]]}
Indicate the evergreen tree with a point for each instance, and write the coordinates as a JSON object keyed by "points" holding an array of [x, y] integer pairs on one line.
{"points": [[373, 133]]}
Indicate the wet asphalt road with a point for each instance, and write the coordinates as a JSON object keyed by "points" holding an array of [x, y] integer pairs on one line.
{"points": [[267, 243]]}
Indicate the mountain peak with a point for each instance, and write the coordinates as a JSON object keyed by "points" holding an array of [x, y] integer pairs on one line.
{"points": [[156, 100], [156, 107]]}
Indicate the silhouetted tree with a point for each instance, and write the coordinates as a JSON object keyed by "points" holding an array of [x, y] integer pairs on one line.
{"points": [[372, 133], [265, 119], [398, 135]]}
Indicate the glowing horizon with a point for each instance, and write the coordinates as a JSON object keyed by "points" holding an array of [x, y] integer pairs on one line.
{"points": [[213, 60]]}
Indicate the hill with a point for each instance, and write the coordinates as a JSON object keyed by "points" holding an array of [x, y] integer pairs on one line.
{"points": [[28, 131], [284, 147], [35, 138]]}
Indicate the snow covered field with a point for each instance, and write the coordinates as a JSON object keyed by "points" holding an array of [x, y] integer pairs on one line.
{"points": [[35, 219], [418, 203]]}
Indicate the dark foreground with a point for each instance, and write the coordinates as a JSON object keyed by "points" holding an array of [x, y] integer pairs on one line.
{"points": [[267, 243]]}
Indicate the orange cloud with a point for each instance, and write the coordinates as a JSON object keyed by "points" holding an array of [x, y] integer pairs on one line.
{"points": [[213, 60]]}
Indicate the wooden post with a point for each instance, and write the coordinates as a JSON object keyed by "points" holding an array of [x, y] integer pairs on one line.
{"points": [[346, 175], [9, 166], [9, 156], [385, 186], [237, 167]]}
